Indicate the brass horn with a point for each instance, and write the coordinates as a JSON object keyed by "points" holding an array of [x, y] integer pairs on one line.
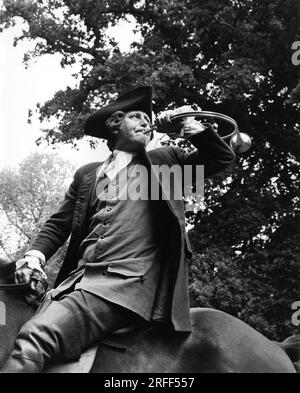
{"points": [[239, 141]]}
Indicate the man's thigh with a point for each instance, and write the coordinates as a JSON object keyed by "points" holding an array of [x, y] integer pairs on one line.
{"points": [[96, 317], [66, 327]]}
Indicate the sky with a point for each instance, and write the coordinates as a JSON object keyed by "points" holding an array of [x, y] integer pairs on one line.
{"points": [[21, 89]]}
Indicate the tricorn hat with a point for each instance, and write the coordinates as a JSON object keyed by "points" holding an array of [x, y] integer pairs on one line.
{"points": [[139, 99]]}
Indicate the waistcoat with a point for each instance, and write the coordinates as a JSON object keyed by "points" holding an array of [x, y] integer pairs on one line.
{"points": [[122, 252]]}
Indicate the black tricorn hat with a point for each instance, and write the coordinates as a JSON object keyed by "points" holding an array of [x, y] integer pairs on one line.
{"points": [[139, 99]]}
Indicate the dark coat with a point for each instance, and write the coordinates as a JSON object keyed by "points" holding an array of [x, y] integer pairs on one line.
{"points": [[172, 299]]}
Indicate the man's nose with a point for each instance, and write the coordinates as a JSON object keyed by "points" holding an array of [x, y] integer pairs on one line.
{"points": [[144, 123]]}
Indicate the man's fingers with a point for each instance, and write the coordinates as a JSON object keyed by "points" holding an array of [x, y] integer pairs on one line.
{"points": [[193, 127], [17, 278], [20, 278], [23, 275], [33, 284]]}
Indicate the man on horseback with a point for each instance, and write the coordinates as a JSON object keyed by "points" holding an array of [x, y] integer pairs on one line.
{"points": [[125, 263]]}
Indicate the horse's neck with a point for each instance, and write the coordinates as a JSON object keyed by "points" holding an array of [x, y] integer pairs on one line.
{"points": [[6, 271], [14, 312]]}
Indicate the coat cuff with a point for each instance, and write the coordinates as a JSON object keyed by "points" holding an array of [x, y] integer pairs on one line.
{"points": [[38, 254]]}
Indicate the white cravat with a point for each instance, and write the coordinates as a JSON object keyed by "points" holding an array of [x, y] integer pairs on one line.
{"points": [[117, 161]]}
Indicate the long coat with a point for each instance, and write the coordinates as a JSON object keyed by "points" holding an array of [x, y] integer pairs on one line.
{"points": [[172, 297]]}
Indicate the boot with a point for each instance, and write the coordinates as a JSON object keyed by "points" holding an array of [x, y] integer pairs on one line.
{"points": [[49, 334], [25, 358], [15, 364]]}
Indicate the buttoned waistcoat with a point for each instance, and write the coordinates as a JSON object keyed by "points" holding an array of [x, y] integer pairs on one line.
{"points": [[172, 297]]}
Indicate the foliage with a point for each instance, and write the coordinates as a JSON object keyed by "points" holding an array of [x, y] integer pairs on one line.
{"points": [[29, 194], [231, 56]]}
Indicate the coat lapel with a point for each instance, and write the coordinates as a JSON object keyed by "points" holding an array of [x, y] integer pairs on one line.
{"points": [[85, 194], [153, 175]]}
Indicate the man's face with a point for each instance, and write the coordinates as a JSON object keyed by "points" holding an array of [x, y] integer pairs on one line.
{"points": [[134, 133]]}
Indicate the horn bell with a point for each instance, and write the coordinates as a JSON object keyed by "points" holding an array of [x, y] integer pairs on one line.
{"points": [[240, 142]]}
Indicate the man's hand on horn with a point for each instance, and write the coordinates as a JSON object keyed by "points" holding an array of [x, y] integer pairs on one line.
{"points": [[182, 127]]}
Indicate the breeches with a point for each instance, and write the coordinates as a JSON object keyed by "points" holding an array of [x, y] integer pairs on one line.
{"points": [[65, 328]]}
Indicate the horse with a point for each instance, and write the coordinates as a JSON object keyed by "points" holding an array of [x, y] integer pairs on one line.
{"points": [[218, 343]]}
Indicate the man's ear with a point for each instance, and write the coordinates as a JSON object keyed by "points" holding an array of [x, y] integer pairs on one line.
{"points": [[115, 132]]}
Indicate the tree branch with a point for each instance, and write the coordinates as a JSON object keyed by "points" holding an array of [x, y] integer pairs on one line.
{"points": [[15, 224], [4, 249], [18, 209]]}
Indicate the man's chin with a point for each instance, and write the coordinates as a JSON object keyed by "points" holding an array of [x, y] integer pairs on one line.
{"points": [[141, 141], [136, 143]]}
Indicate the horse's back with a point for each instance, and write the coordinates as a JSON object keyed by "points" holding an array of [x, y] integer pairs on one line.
{"points": [[237, 346], [217, 343]]}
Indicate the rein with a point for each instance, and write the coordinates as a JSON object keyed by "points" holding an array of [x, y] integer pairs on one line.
{"points": [[15, 286], [32, 297]]}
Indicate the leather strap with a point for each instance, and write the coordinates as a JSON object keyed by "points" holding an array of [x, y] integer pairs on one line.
{"points": [[31, 296], [15, 286]]}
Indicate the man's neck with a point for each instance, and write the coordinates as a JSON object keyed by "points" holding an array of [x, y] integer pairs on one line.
{"points": [[117, 151]]}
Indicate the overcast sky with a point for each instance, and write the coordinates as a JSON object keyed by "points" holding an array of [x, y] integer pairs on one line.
{"points": [[21, 89]]}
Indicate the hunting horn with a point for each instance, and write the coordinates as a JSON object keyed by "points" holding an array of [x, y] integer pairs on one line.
{"points": [[239, 141]]}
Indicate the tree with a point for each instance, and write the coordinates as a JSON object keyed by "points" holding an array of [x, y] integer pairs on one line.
{"points": [[231, 56], [28, 196]]}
